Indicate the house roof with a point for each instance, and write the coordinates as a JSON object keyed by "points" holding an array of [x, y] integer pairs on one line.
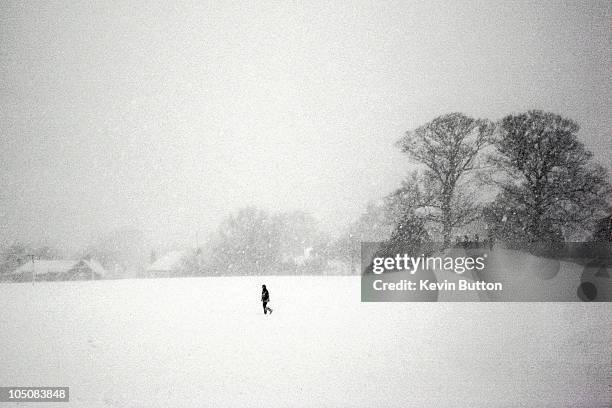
{"points": [[169, 262], [43, 267], [95, 266]]}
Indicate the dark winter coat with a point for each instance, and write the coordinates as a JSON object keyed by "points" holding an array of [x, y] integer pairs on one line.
{"points": [[265, 296]]}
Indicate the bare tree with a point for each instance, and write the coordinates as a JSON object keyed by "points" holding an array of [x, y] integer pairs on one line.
{"points": [[256, 242], [448, 147], [552, 187]]}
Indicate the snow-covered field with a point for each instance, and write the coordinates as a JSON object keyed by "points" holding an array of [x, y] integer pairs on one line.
{"points": [[204, 342]]}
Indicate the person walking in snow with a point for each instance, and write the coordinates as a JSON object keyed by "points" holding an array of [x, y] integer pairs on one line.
{"points": [[265, 298]]}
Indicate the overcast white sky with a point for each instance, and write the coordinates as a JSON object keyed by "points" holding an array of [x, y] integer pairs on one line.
{"points": [[166, 118]]}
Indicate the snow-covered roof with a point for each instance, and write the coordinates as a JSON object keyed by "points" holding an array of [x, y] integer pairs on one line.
{"points": [[169, 262], [43, 267], [95, 266]]}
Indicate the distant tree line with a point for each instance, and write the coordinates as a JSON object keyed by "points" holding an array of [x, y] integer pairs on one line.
{"points": [[256, 242], [525, 179]]}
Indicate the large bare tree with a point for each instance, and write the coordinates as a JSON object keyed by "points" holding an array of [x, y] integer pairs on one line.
{"points": [[448, 147], [552, 186]]}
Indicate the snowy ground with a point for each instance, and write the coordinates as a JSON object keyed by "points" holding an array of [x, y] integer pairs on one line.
{"points": [[205, 342]]}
